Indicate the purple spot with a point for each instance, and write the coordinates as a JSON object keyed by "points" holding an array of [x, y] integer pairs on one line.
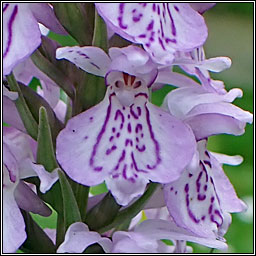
{"points": [[70, 51], [98, 169], [201, 197], [129, 128], [167, 40], [142, 35], [205, 187], [207, 154], [91, 118], [203, 218], [134, 10], [118, 135], [210, 209], [198, 184], [141, 149], [150, 25], [127, 142], [137, 139], [176, 8], [190, 213], [138, 128], [129, 116], [212, 199], [111, 138], [110, 150], [190, 175], [171, 189], [137, 18], [115, 176], [142, 135], [113, 129], [154, 7], [137, 84], [5, 7], [10, 23], [186, 189], [176, 192], [147, 44], [86, 137]]}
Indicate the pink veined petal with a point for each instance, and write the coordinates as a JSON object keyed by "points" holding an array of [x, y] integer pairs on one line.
{"points": [[161, 28], [136, 143], [91, 59], [195, 200], [21, 35], [78, 238], [29, 201], [44, 14], [162, 229], [13, 224]]}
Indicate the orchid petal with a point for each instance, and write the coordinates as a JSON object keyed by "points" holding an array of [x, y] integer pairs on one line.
{"points": [[21, 35], [13, 224], [182, 100], [202, 7], [44, 14], [136, 143], [168, 28], [195, 201], [11, 115], [9, 94], [29, 201], [51, 233], [166, 76], [91, 59], [228, 199], [78, 238], [161, 229], [225, 159]]}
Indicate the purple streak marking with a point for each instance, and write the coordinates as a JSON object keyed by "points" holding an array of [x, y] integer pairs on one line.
{"points": [[135, 165], [150, 25], [121, 159], [157, 148], [173, 26], [5, 7], [141, 149], [10, 23], [95, 65]]}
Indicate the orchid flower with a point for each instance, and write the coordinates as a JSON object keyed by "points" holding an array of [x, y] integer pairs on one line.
{"points": [[21, 33], [162, 28], [202, 198], [18, 164], [133, 141], [146, 238]]}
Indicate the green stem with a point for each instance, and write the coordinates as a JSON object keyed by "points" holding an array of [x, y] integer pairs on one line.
{"points": [[132, 210], [23, 109]]}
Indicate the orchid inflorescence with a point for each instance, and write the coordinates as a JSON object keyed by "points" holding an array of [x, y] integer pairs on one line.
{"points": [[92, 122]]}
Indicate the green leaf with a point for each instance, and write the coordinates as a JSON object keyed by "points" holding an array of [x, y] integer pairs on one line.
{"points": [[47, 67], [45, 151], [103, 213], [132, 210], [100, 37], [34, 102], [37, 241], [76, 20], [23, 109], [70, 207]]}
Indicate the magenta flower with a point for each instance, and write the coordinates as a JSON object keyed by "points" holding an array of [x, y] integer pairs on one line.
{"points": [[132, 141], [21, 33], [162, 28]]}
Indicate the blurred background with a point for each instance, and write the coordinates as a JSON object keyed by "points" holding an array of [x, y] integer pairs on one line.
{"points": [[230, 27]]}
